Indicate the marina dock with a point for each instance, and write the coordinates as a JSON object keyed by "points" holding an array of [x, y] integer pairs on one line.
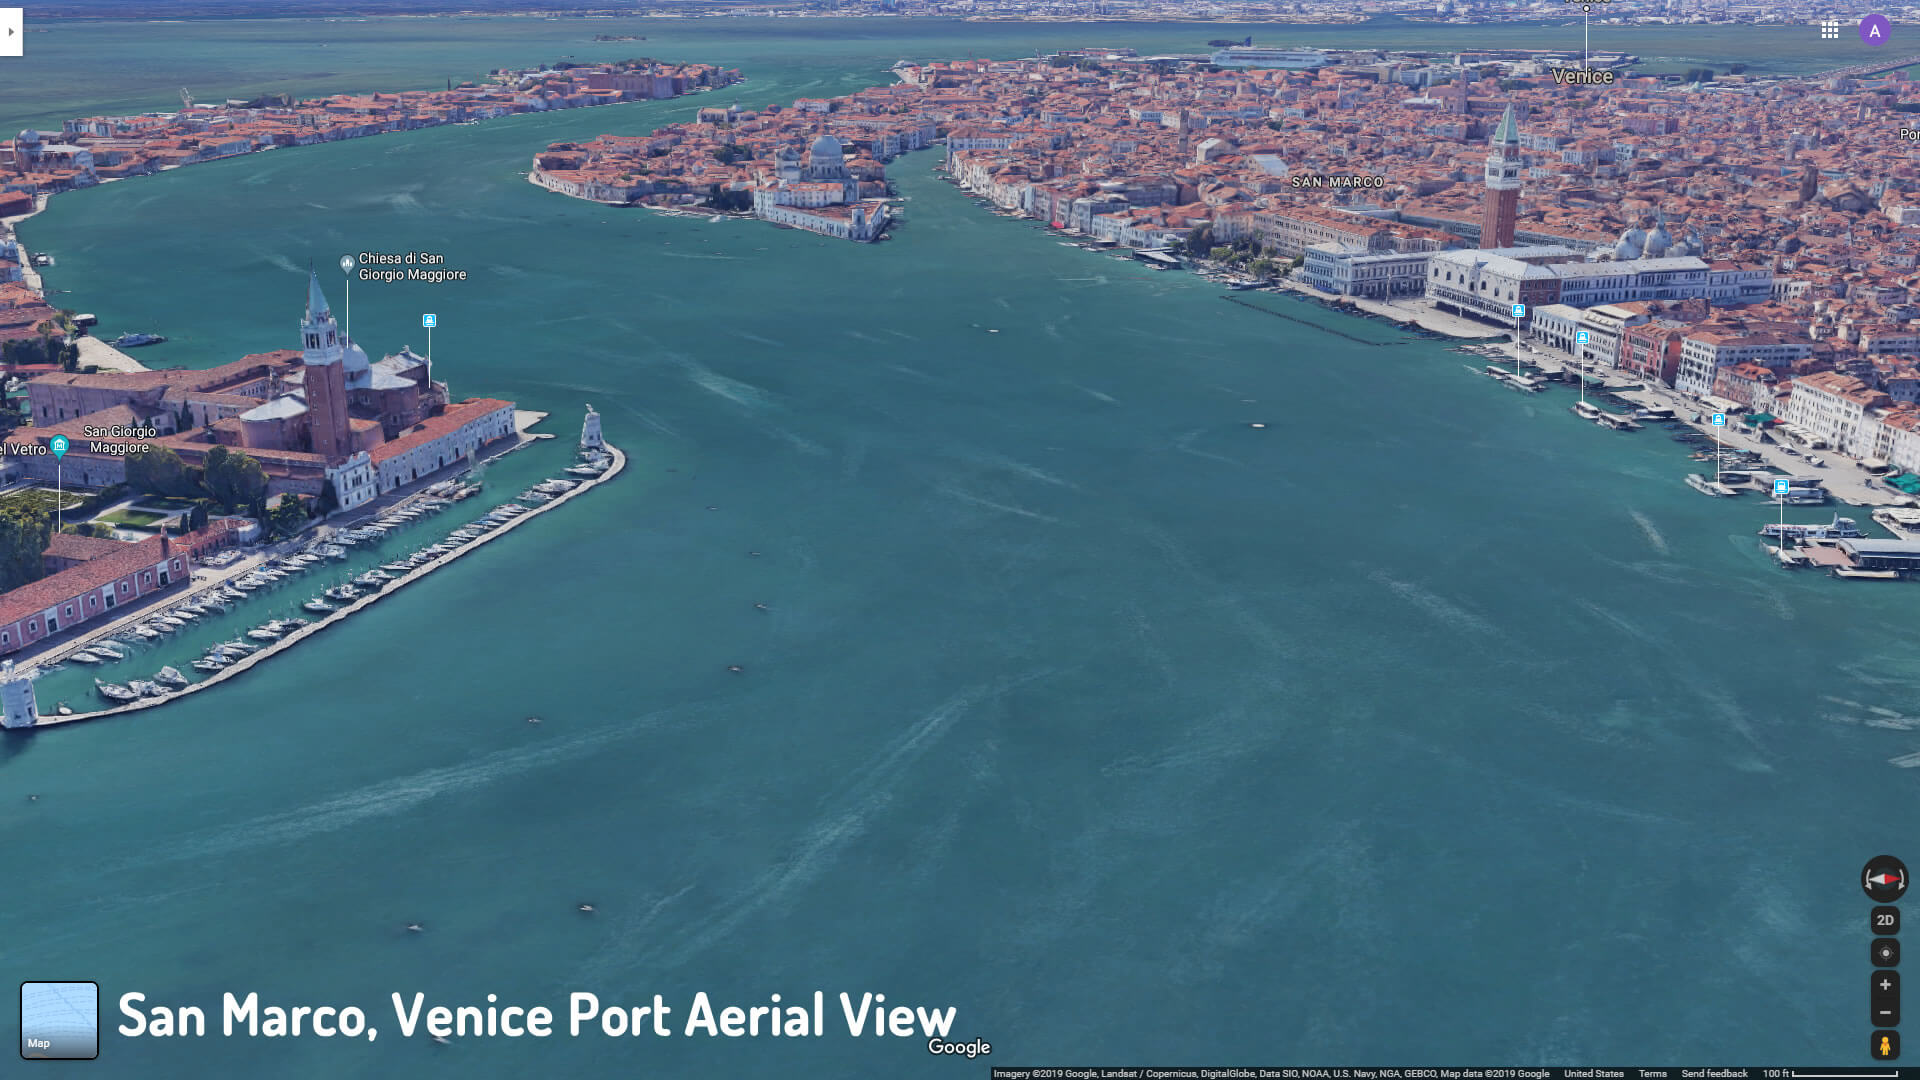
{"points": [[253, 660]]}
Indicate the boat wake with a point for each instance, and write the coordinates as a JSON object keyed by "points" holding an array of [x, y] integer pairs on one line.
{"points": [[845, 817], [1658, 541], [398, 795], [1434, 604]]}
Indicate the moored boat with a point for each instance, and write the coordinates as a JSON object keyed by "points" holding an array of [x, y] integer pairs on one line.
{"points": [[1705, 486], [114, 692], [1840, 528]]}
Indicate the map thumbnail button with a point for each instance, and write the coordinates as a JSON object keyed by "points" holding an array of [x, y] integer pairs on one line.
{"points": [[59, 1021]]}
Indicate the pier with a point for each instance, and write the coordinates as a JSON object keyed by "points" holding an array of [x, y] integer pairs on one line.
{"points": [[394, 586]]}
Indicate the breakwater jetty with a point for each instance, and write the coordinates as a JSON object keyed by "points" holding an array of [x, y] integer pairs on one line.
{"points": [[335, 618]]}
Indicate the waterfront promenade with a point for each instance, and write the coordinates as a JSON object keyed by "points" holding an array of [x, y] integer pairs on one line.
{"points": [[394, 586]]}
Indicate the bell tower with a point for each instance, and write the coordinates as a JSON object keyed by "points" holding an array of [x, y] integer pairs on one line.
{"points": [[324, 352], [1502, 208]]}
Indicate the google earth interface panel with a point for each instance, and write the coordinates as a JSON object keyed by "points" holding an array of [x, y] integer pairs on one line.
{"points": [[986, 539]]}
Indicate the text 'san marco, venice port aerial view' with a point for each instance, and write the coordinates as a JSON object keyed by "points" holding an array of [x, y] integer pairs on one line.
{"points": [[958, 538]]}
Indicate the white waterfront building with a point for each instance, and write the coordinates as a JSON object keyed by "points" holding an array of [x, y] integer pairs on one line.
{"points": [[590, 431], [1352, 271], [16, 695]]}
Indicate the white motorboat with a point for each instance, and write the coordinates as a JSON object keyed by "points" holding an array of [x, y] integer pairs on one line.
{"points": [[334, 551], [261, 633], [145, 687], [1705, 486], [147, 633], [318, 607], [209, 664], [108, 650], [170, 676], [113, 692], [84, 656]]}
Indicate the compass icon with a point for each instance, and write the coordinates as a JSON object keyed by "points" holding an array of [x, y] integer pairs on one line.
{"points": [[1884, 879]]}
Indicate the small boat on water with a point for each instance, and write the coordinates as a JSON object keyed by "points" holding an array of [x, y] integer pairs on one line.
{"points": [[341, 593], [334, 551], [145, 688], [369, 580], [1840, 528], [395, 567], [1704, 486], [134, 341], [170, 676], [109, 650], [84, 656], [146, 633], [209, 664], [261, 633], [114, 692], [318, 607]]}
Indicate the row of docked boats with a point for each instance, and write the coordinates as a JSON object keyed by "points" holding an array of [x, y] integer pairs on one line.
{"points": [[593, 463], [548, 490], [165, 681], [333, 547]]}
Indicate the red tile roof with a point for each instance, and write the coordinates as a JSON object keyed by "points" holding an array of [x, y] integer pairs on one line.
{"points": [[37, 596], [435, 427]]}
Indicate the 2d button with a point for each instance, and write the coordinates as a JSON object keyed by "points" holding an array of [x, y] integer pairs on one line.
{"points": [[1884, 879], [1886, 952], [1885, 1046], [1885, 920]]}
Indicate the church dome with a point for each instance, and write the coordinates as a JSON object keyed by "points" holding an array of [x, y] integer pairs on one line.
{"points": [[825, 151], [1631, 243]]}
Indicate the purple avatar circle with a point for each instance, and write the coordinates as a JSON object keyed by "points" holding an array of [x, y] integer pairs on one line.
{"points": [[1874, 29]]}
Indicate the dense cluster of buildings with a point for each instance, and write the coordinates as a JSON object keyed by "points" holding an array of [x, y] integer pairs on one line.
{"points": [[818, 164], [95, 148], [318, 416]]}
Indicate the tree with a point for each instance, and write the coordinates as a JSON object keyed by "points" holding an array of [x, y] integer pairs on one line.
{"points": [[1200, 240], [157, 470], [235, 479], [288, 516], [90, 528], [24, 532], [197, 517]]}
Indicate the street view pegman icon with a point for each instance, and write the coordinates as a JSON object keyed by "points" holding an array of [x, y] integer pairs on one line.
{"points": [[1885, 1045], [1884, 879]]}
